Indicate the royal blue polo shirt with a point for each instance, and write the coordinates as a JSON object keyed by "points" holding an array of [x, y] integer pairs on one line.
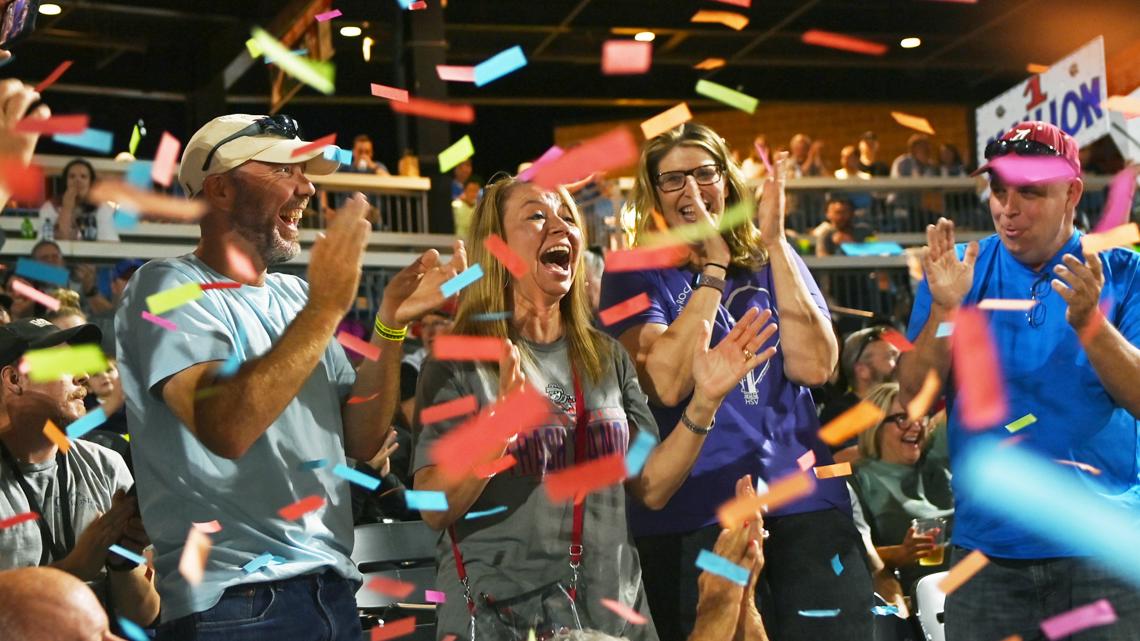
{"points": [[1048, 374]]}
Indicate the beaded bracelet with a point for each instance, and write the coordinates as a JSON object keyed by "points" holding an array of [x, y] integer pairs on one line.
{"points": [[389, 334]]}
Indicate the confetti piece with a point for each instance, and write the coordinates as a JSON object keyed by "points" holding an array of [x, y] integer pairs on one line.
{"points": [[1093, 615], [833, 471], [419, 5], [898, 340], [124, 218], [550, 155], [43, 272], [435, 596], [164, 207], [575, 482], [314, 464], [708, 64], [1018, 170], [1036, 68], [921, 402], [505, 255], [358, 345], [963, 571], [165, 159], [174, 297], [455, 154], [610, 150], [53, 76], [23, 518], [1122, 236], [52, 363], [139, 172], [127, 554], [819, 614], [426, 501], [435, 110], [487, 470], [136, 138], [499, 65], [806, 461], [391, 587], [86, 423], [455, 73], [727, 18], [626, 57], [638, 453], [389, 93], [253, 48], [1118, 204], [257, 563], [75, 124], [55, 435], [491, 316], [944, 329], [624, 611], [1084, 467], [319, 143], [665, 121], [836, 565], [208, 527], [478, 515], [161, 322], [1021, 423], [624, 309], [737, 510], [851, 423], [97, 140], [220, 285], [366, 481], [296, 510], [394, 629], [730, 97], [977, 371], [317, 74], [885, 610], [1127, 105], [328, 15], [845, 43], [1007, 304], [454, 347], [449, 409], [646, 258], [192, 563], [917, 123], [132, 630], [338, 155], [24, 182], [716, 564], [740, 3]]}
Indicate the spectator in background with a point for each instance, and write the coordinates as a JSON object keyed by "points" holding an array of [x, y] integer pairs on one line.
{"points": [[950, 161], [840, 227], [68, 315], [849, 169], [105, 319], [45, 604], [409, 164], [71, 215], [433, 324], [362, 163], [917, 161], [866, 361], [807, 156], [753, 166], [914, 208], [459, 177], [82, 278], [463, 208], [868, 156]]}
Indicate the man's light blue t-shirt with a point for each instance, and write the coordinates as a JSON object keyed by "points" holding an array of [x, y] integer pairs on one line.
{"points": [[180, 482], [1048, 374]]}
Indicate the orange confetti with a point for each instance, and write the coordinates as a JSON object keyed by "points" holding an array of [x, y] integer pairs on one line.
{"points": [[624, 309], [24, 182], [481, 438], [664, 121], [319, 143], [736, 511], [851, 423], [450, 409], [898, 340], [192, 563], [963, 571], [1036, 68], [1122, 236], [806, 461], [645, 258], [833, 40], [921, 402], [507, 256], [391, 587], [362, 399], [435, 110], [55, 435], [977, 371], [708, 64], [453, 347], [487, 470], [1084, 467], [390, 93], [611, 150], [356, 344], [394, 629], [917, 123], [726, 18], [578, 481], [625, 612], [833, 471], [300, 508], [53, 76]]}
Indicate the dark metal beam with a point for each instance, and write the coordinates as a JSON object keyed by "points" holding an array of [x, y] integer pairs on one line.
{"points": [[1018, 10], [565, 24], [152, 12], [768, 33], [86, 40]]}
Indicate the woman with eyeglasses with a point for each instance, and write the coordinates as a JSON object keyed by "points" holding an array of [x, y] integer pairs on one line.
{"points": [[766, 424], [903, 474]]}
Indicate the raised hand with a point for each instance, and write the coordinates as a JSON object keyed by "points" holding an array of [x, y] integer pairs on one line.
{"points": [[713, 248], [382, 461], [1080, 284], [337, 258], [15, 100], [770, 212], [948, 277], [415, 290], [87, 558], [719, 370]]}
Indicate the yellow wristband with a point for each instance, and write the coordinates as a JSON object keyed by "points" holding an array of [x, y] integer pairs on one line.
{"points": [[387, 333]]}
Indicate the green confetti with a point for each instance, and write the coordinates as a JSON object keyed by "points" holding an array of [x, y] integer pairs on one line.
{"points": [[167, 300], [730, 97], [316, 74], [736, 216], [136, 137], [1024, 421], [455, 154], [254, 50], [54, 362]]}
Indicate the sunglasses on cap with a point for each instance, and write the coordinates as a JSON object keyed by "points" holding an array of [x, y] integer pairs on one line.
{"points": [[279, 125], [1019, 147], [870, 337]]}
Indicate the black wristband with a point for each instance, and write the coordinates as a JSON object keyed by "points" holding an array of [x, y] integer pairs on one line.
{"points": [[724, 267], [694, 428]]}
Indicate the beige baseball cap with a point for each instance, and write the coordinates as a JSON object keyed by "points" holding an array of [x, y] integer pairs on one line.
{"points": [[239, 138]]}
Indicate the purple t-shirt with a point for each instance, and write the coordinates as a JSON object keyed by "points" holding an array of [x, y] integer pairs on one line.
{"points": [[763, 426]]}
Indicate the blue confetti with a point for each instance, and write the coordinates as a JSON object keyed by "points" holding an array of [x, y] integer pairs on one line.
{"points": [[836, 565], [342, 156], [360, 478], [314, 464], [404, 4], [233, 363], [257, 563], [125, 217], [98, 140], [710, 562], [638, 453], [944, 330], [461, 280], [499, 65], [478, 515], [43, 272], [491, 316], [132, 630], [426, 501], [872, 249], [885, 610], [138, 174], [86, 423], [819, 614], [127, 554]]}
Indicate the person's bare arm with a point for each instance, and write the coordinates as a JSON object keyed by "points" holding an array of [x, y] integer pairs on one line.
{"points": [[134, 595], [16, 98]]}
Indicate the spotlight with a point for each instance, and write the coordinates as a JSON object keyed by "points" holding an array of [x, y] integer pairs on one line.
{"points": [[910, 43], [350, 31], [50, 9], [644, 36]]}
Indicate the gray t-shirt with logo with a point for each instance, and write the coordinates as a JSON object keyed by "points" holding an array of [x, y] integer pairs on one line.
{"points": [[526, 547]]}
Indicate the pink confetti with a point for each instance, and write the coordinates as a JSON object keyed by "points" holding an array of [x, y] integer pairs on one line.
{"points": [[547, 157], [807, 461], [160, 321], [417, 6], [625, 612], [613, 149], [319, 143], [1007, 304], [1119, 202], [763, 153], [362, 347], [390, 93], [977, 371], [27, 291], [241, 264], [626, 57], [1030, 170], [1095, 614], [328, 15], [165, 159], [740, 3], [435, 596], [208, 527], [455, 73]]}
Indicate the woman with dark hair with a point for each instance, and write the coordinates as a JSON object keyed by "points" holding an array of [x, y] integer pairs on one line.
{"points": [[529, 561], [767, 424], [72, 215]]}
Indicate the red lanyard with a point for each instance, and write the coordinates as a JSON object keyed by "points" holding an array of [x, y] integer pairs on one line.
{"points": [[581, 421]]}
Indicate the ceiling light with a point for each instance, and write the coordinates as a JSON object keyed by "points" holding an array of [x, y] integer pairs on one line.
{"points": [[350, 31], [644, 36], [366, 45], [50, 9], [910, 43]]}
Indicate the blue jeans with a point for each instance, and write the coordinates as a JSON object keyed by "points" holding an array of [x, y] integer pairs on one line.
{"points": [[312, 607], [1012, 596]]}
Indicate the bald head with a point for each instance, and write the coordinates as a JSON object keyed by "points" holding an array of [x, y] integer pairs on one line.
{"points": [[45, 604]]}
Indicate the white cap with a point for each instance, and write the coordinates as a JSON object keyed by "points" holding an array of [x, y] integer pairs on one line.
{"points": [[266, 147]]}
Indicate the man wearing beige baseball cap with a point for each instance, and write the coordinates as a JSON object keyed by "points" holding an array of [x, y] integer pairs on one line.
{"points": [[243, 409]]}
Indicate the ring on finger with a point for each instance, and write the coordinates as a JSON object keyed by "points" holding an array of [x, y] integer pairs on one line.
{"points": [[747, 354]]}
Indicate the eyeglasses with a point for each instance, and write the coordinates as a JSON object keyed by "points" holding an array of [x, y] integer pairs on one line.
{"points": [[674, 180], [279, 125], [1038, 292], [1019, 147]]}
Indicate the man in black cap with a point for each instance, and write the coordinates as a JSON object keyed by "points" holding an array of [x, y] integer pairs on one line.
{"points": [[79, 494]]}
